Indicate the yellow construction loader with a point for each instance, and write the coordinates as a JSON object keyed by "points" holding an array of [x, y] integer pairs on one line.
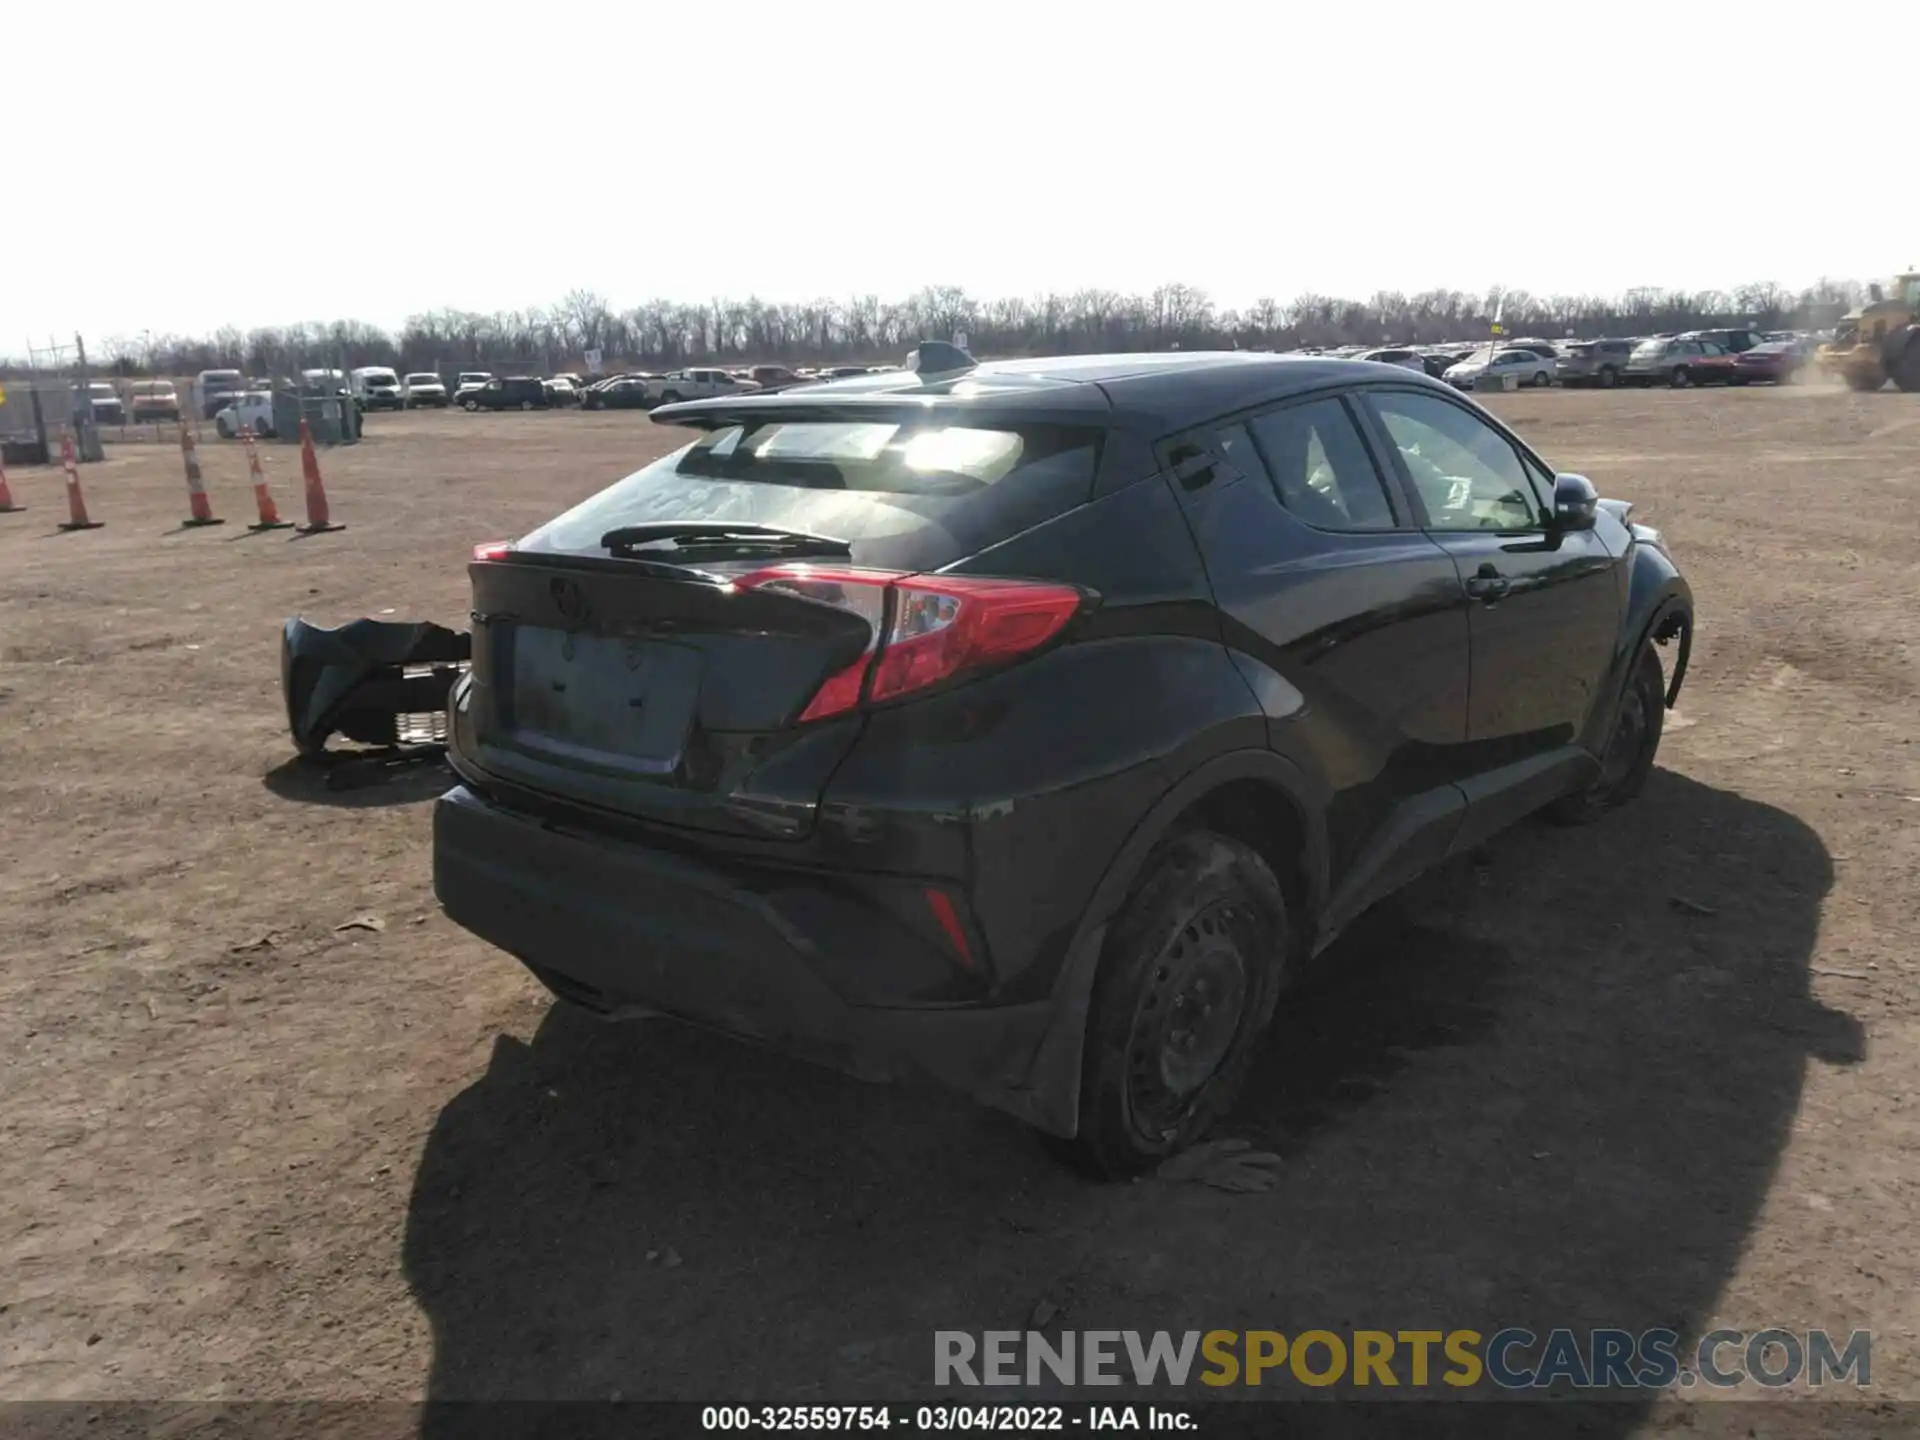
{"points": [[1881, 340]]}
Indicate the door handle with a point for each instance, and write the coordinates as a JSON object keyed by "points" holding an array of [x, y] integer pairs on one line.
{"points": [[1489, 584]]}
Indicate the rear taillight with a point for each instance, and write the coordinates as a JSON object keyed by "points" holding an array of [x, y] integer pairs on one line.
{"points": [[927, 629], [493, 550]]}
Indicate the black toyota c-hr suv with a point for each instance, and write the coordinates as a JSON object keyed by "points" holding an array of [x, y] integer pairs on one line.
{"points": [[1029, 725]]}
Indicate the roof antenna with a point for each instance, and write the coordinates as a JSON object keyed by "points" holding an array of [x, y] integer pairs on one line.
{"points": [[935, 359]]}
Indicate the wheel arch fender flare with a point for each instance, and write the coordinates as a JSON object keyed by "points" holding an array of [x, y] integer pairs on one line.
{"points": [[1052, 1092]]}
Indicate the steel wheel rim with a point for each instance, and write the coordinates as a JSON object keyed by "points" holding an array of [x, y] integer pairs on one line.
{"points": [[1629, 736], [1188, 1018]]}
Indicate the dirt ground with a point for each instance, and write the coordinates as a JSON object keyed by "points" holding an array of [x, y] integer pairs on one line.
{"points": [[1663, 1071]]}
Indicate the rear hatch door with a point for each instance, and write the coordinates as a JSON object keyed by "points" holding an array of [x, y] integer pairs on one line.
{"points": [[632, 655]]}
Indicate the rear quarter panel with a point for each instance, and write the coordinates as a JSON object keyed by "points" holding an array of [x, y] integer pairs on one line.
{"points": [[1043, 771]]}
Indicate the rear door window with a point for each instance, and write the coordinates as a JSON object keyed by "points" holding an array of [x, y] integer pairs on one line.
{"points": [[1321, 468], [904, 493]]}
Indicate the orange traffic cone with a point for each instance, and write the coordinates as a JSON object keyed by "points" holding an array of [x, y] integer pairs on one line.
{"points": [[269, 517], [199, 510], [318, 519], [6, 495], [76, 502]]}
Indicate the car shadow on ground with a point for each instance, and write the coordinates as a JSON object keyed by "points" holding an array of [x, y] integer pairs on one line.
{"points": [[1549, 1087], [360, 782]]}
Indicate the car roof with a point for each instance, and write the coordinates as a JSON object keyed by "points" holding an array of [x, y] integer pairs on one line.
{"points": [[1157, 393]]}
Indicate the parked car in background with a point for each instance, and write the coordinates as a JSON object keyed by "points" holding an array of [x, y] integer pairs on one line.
{"points": [[215, 389], [561, 391], [718, 753], [424, 390], [376, 387], [698, 383], [1592, 362], [772, 377], [323, 381], [844, 372], [469, 380], [1438, 359], [102, 402], [1733, 342], [155, 400], [1678, 361], [1404, 358], [254, 410], [1772, 362], [623, 392], [516, 392], [1527, 368]]}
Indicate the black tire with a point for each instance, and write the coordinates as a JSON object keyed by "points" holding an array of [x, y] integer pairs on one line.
{"points": [[1542, 380], [1905, 366], [1186, 988], [1609, 377], [672, 397], [526, 404], [1631, 748], [1866, 384], [1681, 377]]}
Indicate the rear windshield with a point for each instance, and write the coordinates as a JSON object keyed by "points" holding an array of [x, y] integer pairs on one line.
{"points": [[423, 379], [908, 496]]}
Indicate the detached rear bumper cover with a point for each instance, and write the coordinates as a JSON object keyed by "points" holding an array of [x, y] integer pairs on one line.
{"points": [[625, 929], [372, 681]]}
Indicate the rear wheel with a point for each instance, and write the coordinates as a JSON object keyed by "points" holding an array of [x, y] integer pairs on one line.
{"points": [[1542, 379], [1609, 377], [1681, 377], [1186, 987], [526, 404], [470, 406], [1906, 365], [1628, 758]]}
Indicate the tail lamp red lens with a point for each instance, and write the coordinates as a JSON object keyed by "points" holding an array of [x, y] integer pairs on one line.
{"points": [[493, 550], [927, 629]]}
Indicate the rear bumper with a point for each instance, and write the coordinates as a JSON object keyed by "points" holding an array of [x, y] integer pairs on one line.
{"points": [[624, 928]]}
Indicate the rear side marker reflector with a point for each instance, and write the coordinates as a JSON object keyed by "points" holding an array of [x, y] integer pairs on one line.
{"points": [[927, 629], [941, 904]]}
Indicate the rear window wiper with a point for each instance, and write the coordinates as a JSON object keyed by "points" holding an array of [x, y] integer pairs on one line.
{"points": [[723, 535]]}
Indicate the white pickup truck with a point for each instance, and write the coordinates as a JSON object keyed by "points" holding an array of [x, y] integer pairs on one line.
{"points": [[699, 383], [424, 389]]}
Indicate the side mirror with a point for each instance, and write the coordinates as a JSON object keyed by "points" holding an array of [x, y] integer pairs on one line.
{"points": [[1575, 502]]}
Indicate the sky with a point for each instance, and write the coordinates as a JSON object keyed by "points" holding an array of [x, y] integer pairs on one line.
{"points": [[373, 162]]}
